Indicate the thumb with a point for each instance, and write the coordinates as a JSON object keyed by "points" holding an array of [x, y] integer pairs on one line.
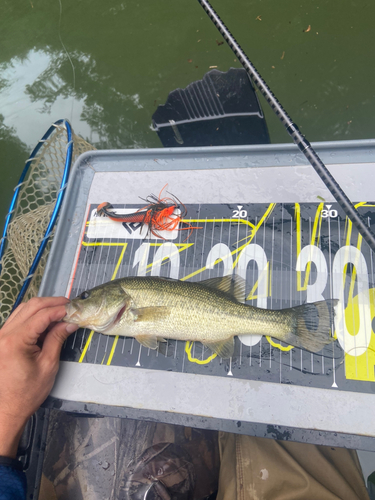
{"points": [[55, 339]]}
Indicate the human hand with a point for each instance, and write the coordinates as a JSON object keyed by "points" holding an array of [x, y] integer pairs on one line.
{"points": [[30, 346]]}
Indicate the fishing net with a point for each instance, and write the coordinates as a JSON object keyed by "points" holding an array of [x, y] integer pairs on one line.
{"points": [[31, 216]]}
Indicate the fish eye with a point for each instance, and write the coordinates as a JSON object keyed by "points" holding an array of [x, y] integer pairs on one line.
{"points": [[84, 295]]}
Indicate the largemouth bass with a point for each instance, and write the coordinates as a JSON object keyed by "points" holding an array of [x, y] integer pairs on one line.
{"points": [[152, 309]]}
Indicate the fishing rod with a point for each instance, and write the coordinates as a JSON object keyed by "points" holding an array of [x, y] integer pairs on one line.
{"points": [[292, 129]]}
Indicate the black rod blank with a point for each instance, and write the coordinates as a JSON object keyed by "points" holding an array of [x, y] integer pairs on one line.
{"points": [[292, 129]]}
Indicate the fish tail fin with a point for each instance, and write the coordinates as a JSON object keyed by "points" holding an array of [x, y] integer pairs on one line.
{"points": [[312, 325]]}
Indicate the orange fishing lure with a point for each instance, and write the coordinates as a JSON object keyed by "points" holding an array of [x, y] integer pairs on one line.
{"points": [[158, 215]]}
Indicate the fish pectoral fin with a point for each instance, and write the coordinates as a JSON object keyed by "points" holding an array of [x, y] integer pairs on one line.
{"points": [[223, 348], [160, 339], [147, 341], [153, 313]]}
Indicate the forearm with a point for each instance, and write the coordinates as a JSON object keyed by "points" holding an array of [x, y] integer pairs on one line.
{"points": [[30, 345], [10, 434], [12, 478]]}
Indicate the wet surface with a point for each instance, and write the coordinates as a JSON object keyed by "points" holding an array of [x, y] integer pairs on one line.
{"points": [[107, 66]]}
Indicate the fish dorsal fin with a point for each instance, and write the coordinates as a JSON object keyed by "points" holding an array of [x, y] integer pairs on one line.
{"points": [[239, 286], [153, 313], [223, 348], [232, 284], [222, 283]]}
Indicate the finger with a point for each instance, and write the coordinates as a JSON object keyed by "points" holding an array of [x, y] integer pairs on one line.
{"points": [[31, 330], [54, 341], [36, 304], [42, 336]]}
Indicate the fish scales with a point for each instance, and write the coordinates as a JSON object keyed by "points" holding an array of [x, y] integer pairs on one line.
{"points": [[196, 313]]}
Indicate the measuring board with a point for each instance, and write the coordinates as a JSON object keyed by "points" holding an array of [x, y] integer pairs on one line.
{"points": [[263, 243], [289, 252]]}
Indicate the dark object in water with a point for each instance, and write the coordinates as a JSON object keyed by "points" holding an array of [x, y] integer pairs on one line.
{"points": [[221, 109]]}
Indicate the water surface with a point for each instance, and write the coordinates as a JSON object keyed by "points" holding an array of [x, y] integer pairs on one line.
{"points": [[107, 65]]}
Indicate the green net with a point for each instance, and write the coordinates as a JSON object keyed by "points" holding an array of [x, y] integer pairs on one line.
{"points": [[32, 213]]}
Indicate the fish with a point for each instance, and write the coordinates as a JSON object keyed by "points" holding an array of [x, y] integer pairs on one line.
{"points": [[213, 312]]}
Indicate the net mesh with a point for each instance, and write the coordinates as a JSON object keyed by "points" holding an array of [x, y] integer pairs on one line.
{"points": [[32, 213]]}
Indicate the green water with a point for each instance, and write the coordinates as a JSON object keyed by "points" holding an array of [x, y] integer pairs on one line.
{"points": [[126, 56]]}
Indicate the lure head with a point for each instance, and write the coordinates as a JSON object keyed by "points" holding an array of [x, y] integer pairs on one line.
{"points": [[99, 308], [102, 208]]}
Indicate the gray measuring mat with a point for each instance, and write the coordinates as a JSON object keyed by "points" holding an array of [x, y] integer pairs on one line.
{"points": [[264, 214]]}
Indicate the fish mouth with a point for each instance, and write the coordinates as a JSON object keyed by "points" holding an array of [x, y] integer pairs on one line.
{"points": [[72, 311], [74, 315]]}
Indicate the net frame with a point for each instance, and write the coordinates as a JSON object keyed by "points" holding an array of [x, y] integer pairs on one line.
{"points": [[33, 213]]}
